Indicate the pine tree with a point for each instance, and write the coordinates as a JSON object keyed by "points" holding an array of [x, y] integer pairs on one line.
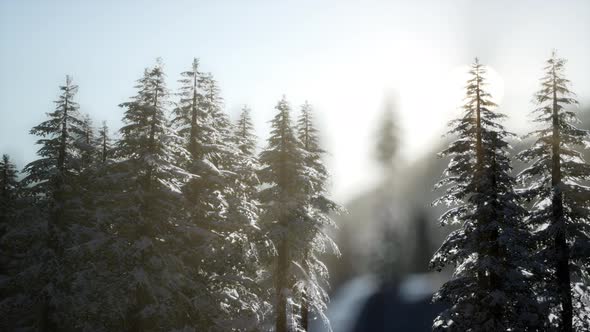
{"points": [[284, 172], [560, 214], [387, 140], [9, 187], [245, 243], [386, 261], [312, 239], [489, 289], [149, 234], [52, 180], [221, 201], [25, 285], [87, 144], [8, 190], [104, 143], [246, 139], [195, 124]]}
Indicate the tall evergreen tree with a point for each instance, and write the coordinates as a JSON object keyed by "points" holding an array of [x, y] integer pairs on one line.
{"points": [[245, 242], [24, 285], [284, 173], [386, 261], [87, 144], [8, 196], [104, 143], [52, 179], [554, 180], [219, 200], [244, 132], [313, 240], [387, 140], [150, 235], [8, 189], [489, 289]]}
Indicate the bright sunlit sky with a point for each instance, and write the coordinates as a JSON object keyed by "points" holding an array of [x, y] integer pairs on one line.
{"points": [[345, 57]]}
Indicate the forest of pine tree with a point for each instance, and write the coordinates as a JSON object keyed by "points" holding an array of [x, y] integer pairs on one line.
{"points": [[519, 250], [178, 221]]}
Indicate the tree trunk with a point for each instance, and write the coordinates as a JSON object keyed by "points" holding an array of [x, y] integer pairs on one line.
{"points": [[104, 147], [494, 251], [282, 285]]}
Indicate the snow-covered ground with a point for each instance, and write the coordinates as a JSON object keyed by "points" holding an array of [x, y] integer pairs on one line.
{"points": [[356, 301]]}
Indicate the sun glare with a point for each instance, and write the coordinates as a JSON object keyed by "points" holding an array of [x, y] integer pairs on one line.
{"points": [[429, 100]]}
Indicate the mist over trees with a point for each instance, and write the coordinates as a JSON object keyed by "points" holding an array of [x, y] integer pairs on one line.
{"points": [[177, 224], [177, 221]]}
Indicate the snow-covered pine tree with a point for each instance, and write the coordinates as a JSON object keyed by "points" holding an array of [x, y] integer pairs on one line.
{"points": [[150, 235], [8, 190], [87, 144], [312, 239], [244, 132], [51, 179], [194, 123], [104, 143], [283, 199], [212, 103], [23, 248], [245, 245], [489, 289], [8, 196], [87, 147], [204, 203], [245, 164], [48, 176], [8, 253], [560, 214], [90, 307], [221, 201]]}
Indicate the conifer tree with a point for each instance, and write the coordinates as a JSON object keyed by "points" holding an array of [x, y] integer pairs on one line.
{"points": [[312, 239], [8, 189], [386, 260], [284, 172], [560, 214], [387, 141], [195, 124], [245, 164], [221, 201], [489, 289], [150, 235], [87, 144], [23, 251], [8, 196], [244, 132], [51, 179], [104, 143], [244, 241]]}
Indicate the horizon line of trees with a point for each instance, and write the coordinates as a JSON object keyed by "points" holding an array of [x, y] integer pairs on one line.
{"points": [[521, 248], [178, 225]]}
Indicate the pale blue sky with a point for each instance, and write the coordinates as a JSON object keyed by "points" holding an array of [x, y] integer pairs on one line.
{"points": [[343, 56]]}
